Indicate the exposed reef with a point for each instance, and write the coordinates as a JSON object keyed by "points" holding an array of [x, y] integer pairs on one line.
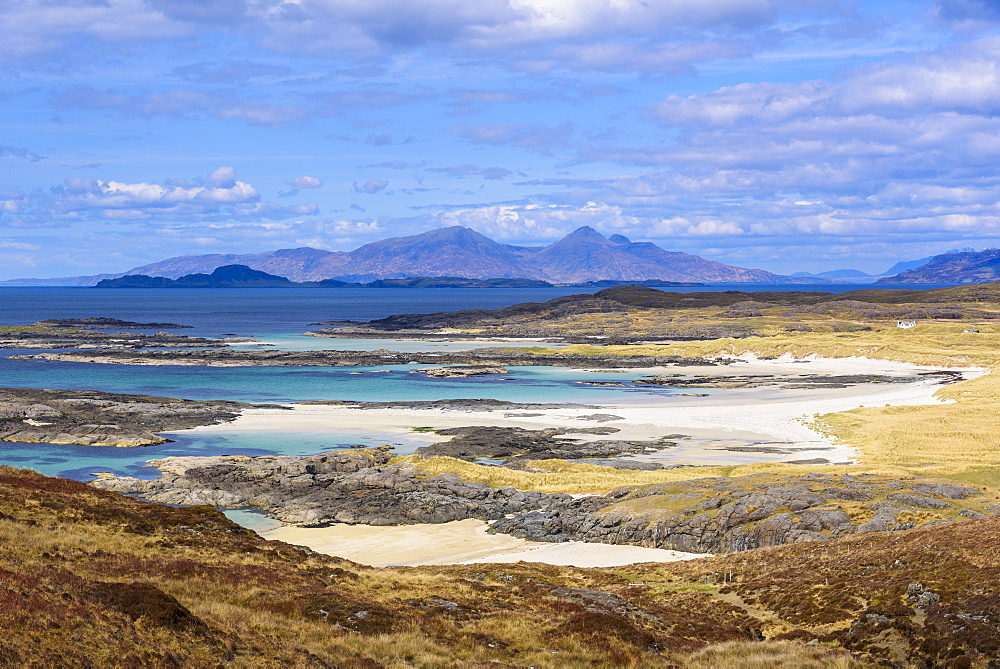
{"points": [[711, 515], [338, 487], [113, 323], [516, 445], [79, 333], [723, 515], [92, 418], [485, 357], [462, 372]]}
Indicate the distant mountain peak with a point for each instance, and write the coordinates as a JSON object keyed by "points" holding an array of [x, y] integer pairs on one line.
{"points": [[582, 255], [584, 234], [956, 266]]}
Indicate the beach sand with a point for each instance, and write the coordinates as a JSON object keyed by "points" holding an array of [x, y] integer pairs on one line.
{"points": [[458, 542], [765, 417], [758, 417]]}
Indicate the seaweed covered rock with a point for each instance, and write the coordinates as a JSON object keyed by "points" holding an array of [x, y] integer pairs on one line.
{"points": [[723, 515]]}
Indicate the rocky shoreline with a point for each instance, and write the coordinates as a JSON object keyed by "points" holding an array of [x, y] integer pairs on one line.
{"points": [[720, 515], [517, 447], [357, 487], [479, 358], [80, 333], [710, 515], [93, 418]]}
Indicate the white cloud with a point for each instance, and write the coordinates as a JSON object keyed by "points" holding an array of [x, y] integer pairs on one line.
{"points": [[963, 79], [371, 186], [306, 182], [219, 196], [32, 27]]}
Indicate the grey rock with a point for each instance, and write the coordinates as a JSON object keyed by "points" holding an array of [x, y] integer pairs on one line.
{"points": [[355, 486], [718, 515]]}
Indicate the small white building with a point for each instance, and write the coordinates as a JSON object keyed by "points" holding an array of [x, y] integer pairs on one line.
{"points": [[905, 324]]}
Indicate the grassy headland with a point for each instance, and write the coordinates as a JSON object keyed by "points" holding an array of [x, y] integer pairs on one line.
{"points": [[89, 578], [957, 440]]}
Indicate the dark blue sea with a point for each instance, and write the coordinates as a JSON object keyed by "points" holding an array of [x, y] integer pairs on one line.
{"points": [[278, 316]]}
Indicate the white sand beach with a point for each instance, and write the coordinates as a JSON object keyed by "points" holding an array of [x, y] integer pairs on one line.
{"points": [[768, 418], [764, 416], [458, 542]]}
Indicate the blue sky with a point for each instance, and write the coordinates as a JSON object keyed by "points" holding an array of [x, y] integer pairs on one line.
{"points": [[781, 134]]}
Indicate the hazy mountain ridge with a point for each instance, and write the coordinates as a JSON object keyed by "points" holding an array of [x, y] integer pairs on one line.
{"points": [[961, 267], [583, 255]]}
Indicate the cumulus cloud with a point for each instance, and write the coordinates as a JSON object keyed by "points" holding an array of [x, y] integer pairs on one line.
{"points": [[29, 28], [371, 186], [306, 182], [202, 11], [598, 34], [335, 25], [964, 79], [538, 221], [218, 196], [899, 148]]}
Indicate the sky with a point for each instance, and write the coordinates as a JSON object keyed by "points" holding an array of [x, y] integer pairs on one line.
{"points": [[787, 135]]}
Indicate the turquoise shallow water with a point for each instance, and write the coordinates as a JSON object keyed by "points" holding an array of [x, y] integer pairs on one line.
{"points": [[291, 384], [282, 314], [282, 385], [81, 462]]}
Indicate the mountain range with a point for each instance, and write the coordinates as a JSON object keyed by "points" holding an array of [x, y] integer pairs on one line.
{"points": [[241, 276], [959, 267], [583, 255]]}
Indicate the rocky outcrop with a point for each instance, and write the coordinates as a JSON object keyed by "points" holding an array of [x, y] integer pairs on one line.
{"points": [[113, 323], [517, 446], [460, 372], [338, 487], [485, 357], [725, 515], [784, 381], [77, 333], [92, 418]]}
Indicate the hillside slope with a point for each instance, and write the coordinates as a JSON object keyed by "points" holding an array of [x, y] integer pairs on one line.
{"points": [[89, 578], [962, 267]]}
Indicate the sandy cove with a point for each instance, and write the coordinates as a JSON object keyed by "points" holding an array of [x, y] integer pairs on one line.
{"points": [[459, 542], [750, 416], [741, 416]]}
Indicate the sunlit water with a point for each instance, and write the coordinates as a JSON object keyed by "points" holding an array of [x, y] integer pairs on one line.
{"points": [[278, 316]]}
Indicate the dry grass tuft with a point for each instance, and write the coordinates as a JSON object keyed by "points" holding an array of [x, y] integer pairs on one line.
{"points": [[769, 655]]}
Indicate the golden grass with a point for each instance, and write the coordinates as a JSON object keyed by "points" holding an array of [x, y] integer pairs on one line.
{"points": [[930, 343], [958, 441], [580, 478], [767, 655]]}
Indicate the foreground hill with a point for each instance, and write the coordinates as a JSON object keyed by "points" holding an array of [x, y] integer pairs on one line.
{"points": [[583, 255], [960, 267], [626, 314], [89, 578]]}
